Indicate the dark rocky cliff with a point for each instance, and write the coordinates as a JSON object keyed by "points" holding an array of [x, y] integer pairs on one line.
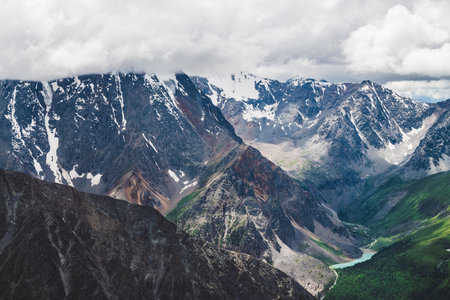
{"points": [[59, 243]]}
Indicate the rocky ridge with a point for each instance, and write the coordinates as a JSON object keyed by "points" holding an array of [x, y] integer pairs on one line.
{"points": [[56, 242]]}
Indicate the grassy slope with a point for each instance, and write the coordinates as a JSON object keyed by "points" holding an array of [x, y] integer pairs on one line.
{"points": [[415, 267], [425, 198], [184, 204], [413, 262], [421, 200]]}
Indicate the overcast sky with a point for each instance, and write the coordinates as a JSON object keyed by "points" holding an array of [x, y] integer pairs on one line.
{"points": [[403, 44]]}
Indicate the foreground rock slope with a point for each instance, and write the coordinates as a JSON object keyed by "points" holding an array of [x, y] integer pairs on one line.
{"points": [[57, 242]]}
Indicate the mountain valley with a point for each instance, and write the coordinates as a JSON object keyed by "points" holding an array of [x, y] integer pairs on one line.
{"points": [[379, 159], [136, 138]]}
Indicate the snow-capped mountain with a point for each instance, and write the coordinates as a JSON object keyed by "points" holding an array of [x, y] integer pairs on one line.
{"points": [[153, 142], [123, 135], [333, 134]]}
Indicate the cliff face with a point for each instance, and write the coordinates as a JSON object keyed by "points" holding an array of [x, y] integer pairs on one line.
{"points": [[59, 243]]}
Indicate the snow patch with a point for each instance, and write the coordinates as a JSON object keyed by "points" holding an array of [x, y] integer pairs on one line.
{"points": [[173, 175], [168, 90], [37, 166], [66, 177], [215, 98], [74, 174], [95, 180], [149, 142], [78, 83], [239, 86], [268, 112], [54, 86], [15, 127], [394, 154], [188, 186], [17, 141], [120, 98], [442, 165], [314, 122], [365, 87], [53, 142], [47, 93]]}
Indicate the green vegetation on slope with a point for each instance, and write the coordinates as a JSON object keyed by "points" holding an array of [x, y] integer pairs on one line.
{"points": [[416, 267], [184, 204], [395, 206], [425, 198], [325, 246], [412, 224]]}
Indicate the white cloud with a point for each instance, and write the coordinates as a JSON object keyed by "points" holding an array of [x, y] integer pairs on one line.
{"points": [[428, 61], [405, 42], [335, 40], [430, 90], [49, 38]]}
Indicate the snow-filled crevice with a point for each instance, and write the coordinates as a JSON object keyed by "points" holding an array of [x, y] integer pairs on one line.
{"points": [[53, 140]]}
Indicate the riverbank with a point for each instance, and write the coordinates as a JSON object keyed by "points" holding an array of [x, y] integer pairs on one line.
{"points": [[364, 257], [367, 254]]}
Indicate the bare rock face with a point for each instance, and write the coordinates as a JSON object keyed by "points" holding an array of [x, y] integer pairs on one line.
{"points": [[56, 242], [251, 205]]}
